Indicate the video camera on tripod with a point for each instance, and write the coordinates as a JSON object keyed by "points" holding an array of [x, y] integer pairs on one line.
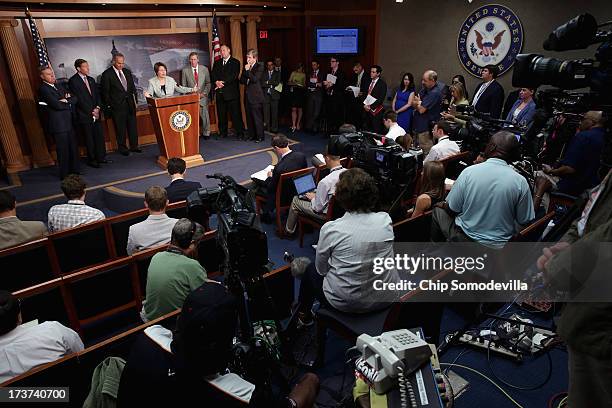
{"points": [[393, 168]]}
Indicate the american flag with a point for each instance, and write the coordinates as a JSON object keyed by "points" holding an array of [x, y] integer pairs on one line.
{"points": [[216, 43], [39, 44]]}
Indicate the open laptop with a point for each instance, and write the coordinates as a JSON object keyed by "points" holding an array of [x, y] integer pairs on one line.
{"points": [[304, 184]]}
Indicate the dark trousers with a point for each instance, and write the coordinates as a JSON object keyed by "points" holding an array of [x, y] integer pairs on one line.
{"points": [[311, 288], [233, 108], [125, 121], [443, 228], [314, 102], [374, 123], [254, 114], [334, 111], [271, 113], [67, 153], [589, 380], [94, 140]]}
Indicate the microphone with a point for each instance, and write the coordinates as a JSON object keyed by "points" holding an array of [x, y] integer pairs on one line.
{"points": [[298, 265]]}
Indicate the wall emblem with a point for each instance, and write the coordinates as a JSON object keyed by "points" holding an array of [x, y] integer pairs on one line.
{"points": [[491, 35]]}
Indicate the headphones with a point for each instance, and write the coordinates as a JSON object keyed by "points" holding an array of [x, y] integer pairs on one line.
{"points": [[184, 243]]}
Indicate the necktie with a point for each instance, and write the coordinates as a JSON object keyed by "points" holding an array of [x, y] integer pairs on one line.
{"points": [[195, 76], [87, 84], [123, 80], [371, 87]]}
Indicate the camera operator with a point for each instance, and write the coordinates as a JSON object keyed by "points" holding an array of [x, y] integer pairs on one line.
{"points": [[489, 94], [342, 277], [315, 204], [488, 199], [578, 169], [444, 147], [585, 327], [175, 272], [176, 369]]}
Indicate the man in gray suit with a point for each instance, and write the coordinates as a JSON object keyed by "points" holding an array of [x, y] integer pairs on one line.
{"points": [[197, 75], [157, 228], [13, 231]]}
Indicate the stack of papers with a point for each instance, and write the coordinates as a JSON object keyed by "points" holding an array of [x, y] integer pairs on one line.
{"points": [[331, 78], [354, 89], [369, 100], [262, 174]]}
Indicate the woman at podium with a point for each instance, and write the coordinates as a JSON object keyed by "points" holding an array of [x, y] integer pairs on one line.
{"points": [[162, 85]]}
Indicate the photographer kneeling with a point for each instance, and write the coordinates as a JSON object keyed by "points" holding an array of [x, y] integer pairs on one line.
{"points": [[178, 368], [342, 276]]}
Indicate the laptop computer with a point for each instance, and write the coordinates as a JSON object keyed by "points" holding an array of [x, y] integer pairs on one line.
{"points": [[304, 184]]}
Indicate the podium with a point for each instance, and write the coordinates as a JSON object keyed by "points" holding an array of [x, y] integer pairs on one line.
{"points": [[176, 120]]}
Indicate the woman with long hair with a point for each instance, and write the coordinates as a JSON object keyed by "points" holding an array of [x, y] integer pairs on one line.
{"points": [[458, 98], [402, 101], [459, 79], [433, 189]]}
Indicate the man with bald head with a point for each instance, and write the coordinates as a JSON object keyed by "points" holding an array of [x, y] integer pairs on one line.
{"points": [[577, 171], [488, 199], [224, 76], [427, 105]]}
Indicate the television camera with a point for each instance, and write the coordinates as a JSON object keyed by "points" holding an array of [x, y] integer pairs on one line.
{"points": [[561, 109], [393, 168], [244, 246]]}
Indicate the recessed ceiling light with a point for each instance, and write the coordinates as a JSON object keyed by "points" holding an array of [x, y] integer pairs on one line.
{"points": [[237, 5], [265, 5], [399, 1], [284, 6]]}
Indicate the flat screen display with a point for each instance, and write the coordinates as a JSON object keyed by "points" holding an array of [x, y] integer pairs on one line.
{"points": [[340, 41]]}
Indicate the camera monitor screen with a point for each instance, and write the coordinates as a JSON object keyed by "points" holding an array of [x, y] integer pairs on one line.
{"points": [[337, 41]]}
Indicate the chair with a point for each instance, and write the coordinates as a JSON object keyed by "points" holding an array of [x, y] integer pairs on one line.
{"points": [[334, 211], [83, 246], [452, 167], [106, 291], [210, 254], [177, 210], [417, 229], [533, 231], [402, 314], [48, 301], [283, 202], [27, 265], [120, 228]]}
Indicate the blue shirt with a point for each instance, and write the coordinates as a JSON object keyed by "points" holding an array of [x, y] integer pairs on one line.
{"points": [[432, 100], [490, 199], [583, 155]]}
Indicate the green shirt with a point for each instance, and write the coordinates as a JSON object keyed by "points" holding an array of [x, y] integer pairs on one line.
{"points": [[170, 279]]}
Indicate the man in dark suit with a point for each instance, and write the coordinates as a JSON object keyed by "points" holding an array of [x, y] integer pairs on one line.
{"points": [[119, 100], [377, 88], [334, 95], [88, 104], [225, 75], [179, 188], [272, 96], [59, 121], [253, 78], [489, 94], [289, 161], [284, 105], [314, 98]]}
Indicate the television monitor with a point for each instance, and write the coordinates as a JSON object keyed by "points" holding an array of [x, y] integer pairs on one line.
{"points": [[338, 40]]}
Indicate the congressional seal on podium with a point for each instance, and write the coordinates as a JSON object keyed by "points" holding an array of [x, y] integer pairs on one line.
{"points": [[491, 35], [180, 120]]}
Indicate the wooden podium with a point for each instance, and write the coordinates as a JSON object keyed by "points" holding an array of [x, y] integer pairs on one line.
{"points": [[176, 120]]}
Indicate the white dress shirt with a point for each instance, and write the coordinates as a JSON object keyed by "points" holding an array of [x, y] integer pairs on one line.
{"points": [[443, 149], [395, 131], [26, 347]]}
